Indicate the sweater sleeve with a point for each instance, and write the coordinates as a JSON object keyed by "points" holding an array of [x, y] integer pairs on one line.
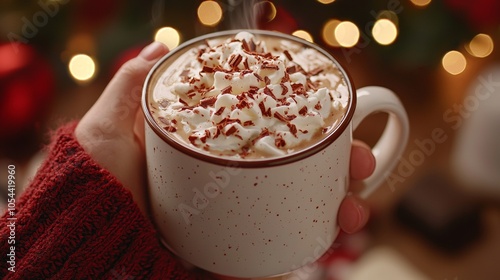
{"points": [[76, 221]]}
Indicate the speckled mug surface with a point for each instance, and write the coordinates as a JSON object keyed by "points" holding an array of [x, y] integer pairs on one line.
{"points": [[258, 218]]}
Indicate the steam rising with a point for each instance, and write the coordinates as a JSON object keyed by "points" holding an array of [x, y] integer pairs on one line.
{"points": [[157, 11], [239, 14], [243, 14]]}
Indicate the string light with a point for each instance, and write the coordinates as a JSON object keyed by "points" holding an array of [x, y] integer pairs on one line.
{"points": [[421, 3], [326, 1], [480, 46], [168, 36], [209, 13], [82, 67], [347, 34], [303, 34], [454, 62], [384, 31], [390, 15], [328, 32]]}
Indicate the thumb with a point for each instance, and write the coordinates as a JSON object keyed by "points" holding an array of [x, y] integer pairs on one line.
{"points": [[120, 100]]}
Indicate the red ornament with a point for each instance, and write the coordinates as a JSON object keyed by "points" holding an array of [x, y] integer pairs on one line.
{"points": [[26, 92], [481, 14], [92, 14]]}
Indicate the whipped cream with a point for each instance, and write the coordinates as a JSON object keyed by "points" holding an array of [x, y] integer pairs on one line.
{"points": [[245, 97]]}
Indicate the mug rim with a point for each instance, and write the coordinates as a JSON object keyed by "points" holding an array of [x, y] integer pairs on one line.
{"points": [[333, 134]]}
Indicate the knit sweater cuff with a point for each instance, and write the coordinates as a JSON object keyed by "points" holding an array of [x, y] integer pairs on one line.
{"points": [[76, 221]]}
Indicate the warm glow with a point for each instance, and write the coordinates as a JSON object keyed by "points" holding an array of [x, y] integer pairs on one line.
{"points": [[328, 32], [168, 36], [384, 31], [326, 1], [347, 34], [454, 62], [209, 13], [267, 7], [82, 67], [303, 34], [421, 3], [481, 45], [390, 15], [81, 42]]}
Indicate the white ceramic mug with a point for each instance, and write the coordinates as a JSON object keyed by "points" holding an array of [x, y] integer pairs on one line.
{"points": [[264, 217]]}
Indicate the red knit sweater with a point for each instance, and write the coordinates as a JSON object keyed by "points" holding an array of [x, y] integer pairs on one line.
{"points": [[76, 221]]}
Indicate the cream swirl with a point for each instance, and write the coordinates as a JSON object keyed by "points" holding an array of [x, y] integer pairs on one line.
{"points": [[243, 96]]}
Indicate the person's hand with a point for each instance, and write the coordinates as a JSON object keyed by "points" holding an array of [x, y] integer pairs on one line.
{"points": [[354, 212], [108, 132]]}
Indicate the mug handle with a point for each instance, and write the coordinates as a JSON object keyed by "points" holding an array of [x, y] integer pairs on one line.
{"points": [[392, 143]]}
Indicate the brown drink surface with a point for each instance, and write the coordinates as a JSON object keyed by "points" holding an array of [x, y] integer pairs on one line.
{"points": [[249, 97]]}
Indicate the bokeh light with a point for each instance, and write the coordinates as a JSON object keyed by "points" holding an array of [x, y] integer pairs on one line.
{"points": [[168, 36], [209, 13], [481, 45], [328, 32], [326, 1], [384, 31], [347, 34], [421, 3], [390, 15], [268, 8], [303, 34], [82, 67], [454, 62]]}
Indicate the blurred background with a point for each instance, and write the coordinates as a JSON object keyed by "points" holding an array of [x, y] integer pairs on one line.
{"points": [[437, 216]]}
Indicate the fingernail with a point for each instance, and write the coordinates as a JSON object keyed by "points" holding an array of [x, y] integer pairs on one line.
{"points": [[153, 51], [362, 219], [356, 220]]}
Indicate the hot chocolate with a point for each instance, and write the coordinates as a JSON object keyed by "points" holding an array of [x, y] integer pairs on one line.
{"points": [[249, 97]]}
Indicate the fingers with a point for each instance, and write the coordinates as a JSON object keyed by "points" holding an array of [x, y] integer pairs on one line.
{"points": [[362, 161], [139, 129], [121, 99], [353, 214]]}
